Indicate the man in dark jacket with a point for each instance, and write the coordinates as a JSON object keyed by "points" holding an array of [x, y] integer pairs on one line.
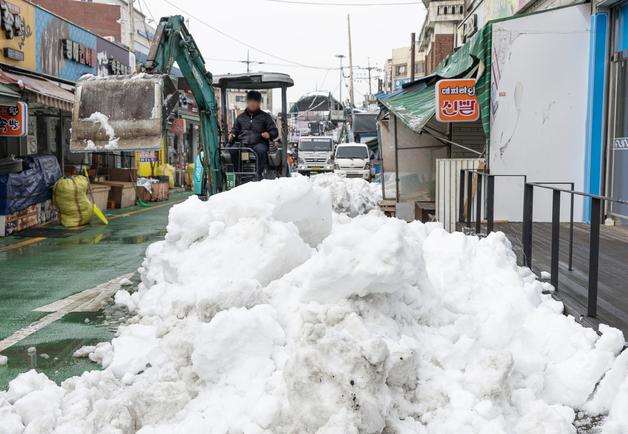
{"points": [[255, 129]]}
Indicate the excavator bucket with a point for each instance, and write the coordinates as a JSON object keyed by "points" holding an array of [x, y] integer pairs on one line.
{"points": [[121, 112]]}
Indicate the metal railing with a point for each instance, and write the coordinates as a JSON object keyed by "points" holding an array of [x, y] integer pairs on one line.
{"points": [[466, 204], [594, 234]]}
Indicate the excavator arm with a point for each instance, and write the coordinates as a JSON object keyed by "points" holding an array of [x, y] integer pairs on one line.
{"points": [[173, 42]]}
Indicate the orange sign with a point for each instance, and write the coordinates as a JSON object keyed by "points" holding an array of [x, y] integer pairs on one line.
{"points": [[14, 120], [457, 100]]}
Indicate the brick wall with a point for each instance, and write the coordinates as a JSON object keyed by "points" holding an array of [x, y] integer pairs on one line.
{"points": [[101, 19], [442, 46]]}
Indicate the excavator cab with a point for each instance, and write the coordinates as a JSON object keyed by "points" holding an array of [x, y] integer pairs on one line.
{"points": [[238, 172]]}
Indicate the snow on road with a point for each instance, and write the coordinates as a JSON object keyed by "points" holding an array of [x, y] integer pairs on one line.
{"points": [[263, 311]]}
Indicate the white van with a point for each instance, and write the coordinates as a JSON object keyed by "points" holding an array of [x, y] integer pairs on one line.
{"points": [[352, 160]]}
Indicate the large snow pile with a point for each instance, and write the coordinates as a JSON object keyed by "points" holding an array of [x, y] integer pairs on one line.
{"points": [[352, 196], [263, 312]]}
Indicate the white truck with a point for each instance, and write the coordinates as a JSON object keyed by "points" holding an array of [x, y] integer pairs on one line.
{"points": [[352, 160], [316, 155]]}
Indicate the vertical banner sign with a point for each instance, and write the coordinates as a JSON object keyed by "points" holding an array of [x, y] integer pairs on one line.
{"points": [[14, 120], [457, 100]]}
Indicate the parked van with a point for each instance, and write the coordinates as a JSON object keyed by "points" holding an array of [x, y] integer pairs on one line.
{"points": [[352, 160]]}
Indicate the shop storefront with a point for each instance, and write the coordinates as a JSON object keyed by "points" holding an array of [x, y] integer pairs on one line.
{"points": [[616, 173], [41, 58]]}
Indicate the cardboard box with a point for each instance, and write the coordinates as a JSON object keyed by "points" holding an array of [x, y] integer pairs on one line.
{"points": [[160, 191], [101, 195], [121, 195], [33, 215]]}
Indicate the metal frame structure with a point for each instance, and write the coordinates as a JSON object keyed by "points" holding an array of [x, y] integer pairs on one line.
{"points": [[257, 81]]}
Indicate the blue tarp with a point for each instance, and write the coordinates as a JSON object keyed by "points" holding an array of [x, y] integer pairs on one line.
{"points": [[30, 186]]}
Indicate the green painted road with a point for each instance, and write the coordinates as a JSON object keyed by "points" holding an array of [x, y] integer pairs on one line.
{"points": [[36, 272]]}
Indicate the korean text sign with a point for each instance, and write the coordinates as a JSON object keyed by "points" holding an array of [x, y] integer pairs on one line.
{"points": [[457, 100], [14, 120]]}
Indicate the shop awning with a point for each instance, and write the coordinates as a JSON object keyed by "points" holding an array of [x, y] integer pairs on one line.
{"points": [[414, 104], [7, 95], [47, 92]]}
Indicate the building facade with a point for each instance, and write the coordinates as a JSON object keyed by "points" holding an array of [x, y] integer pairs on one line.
{"points": [[397, 70], [438, 34]]}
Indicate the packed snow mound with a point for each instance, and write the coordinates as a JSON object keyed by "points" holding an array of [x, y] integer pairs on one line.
{"points": [[351, 196], [263, 311]]}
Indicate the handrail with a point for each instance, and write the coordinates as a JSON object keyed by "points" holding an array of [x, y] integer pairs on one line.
{"points": [[579, 193]]}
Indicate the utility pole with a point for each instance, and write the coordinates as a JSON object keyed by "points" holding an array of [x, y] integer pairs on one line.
{"points": [[351, 91], [131, 26], [369, 68], [412, 56], [248, 62], [340, 57]]}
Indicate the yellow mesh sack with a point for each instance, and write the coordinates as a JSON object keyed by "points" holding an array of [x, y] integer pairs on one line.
{"points": [[70, 196]]}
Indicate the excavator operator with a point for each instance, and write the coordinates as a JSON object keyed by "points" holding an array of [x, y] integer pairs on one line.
{"points": [[255, 129]]}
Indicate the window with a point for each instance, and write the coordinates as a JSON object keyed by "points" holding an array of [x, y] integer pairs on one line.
{"points": [[418, 68], [360, 152], [400, 70]]}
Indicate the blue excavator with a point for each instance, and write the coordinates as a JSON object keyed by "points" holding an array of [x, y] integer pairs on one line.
{"points": [[129, 113]]}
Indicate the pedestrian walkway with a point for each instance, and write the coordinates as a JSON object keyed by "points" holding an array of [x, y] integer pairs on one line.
{"points": [[46, 280], [573, 284]]}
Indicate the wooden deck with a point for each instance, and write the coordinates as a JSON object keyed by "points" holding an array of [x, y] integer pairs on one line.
{"points": [[572, 285]]}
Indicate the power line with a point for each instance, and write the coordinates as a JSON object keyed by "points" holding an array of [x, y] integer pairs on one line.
{"points": [[312, 3], [239, 41]]}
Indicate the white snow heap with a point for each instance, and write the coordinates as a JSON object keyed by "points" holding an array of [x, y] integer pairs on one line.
{"points": [[262, 311], [103, 120]]}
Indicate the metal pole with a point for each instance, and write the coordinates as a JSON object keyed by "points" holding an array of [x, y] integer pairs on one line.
{"points": [[396, 161], [490, 204], [412, 55], [461, 199], [555, 238], [526, 236], [469, 196], [478, 206], [284, 131], [340, 57], [594, 255], [351, 92], [131, 26], [571, 228], [369, 72], [223, 113]]}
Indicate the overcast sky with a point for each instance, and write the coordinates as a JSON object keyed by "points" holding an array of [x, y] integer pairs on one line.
{"points": [[306, 34]]}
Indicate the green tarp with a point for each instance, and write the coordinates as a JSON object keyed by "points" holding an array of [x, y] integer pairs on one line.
{"points": [[415, 105]]}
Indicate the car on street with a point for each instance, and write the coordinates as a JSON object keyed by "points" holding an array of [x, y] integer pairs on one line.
{"points": [[352, 160]]}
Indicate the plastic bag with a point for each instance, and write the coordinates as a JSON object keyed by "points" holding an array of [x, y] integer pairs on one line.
{"points": [[166, 170], [70, 196]]}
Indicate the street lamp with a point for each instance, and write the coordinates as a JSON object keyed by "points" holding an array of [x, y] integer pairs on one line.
{"points": [[340, 57]]}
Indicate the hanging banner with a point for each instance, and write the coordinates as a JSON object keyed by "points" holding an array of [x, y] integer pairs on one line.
{"points": [[14, 120], [457, 100]]}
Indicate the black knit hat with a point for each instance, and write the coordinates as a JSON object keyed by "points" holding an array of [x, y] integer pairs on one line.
{"points": [[254, 95]]}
